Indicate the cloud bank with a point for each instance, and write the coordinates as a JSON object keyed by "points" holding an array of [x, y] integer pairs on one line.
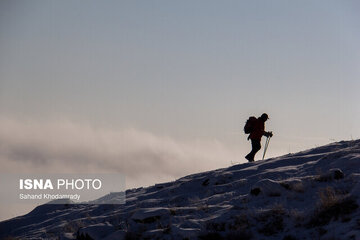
{"points": [[70, 147]]}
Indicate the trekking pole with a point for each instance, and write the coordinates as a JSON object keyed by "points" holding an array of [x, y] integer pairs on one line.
{"points": [[266, 146]]}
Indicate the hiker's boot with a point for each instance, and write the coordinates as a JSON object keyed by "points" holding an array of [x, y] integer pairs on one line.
{"points": [[249, 158]]}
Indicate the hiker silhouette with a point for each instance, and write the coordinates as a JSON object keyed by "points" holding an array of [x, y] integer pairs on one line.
{"points": [[256, 128]]}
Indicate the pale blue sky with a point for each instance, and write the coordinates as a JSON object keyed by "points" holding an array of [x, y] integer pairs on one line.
{"points": [[186, 69]]}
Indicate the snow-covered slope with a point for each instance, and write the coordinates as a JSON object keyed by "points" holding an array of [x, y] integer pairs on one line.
{"points": [[313, 194]]}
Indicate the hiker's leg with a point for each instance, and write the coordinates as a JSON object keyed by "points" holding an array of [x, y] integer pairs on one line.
{"points": [[256, 146]]}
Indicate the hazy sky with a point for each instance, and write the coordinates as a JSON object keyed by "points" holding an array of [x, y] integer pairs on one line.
{"points": [[160, 89]]}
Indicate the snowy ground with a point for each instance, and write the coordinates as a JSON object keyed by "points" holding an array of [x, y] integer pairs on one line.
{"points": [[313, 194]]}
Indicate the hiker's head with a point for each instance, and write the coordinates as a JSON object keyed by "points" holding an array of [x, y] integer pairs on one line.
{"points": [[264, 117]]}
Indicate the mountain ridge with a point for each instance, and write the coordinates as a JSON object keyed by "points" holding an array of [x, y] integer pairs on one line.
{"points": [[312, 194]]}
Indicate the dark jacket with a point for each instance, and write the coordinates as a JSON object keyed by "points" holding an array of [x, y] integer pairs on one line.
{"points": [[258, 130]]}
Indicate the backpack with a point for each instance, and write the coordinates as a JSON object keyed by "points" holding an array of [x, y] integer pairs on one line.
{"points": [[249, 125]]}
